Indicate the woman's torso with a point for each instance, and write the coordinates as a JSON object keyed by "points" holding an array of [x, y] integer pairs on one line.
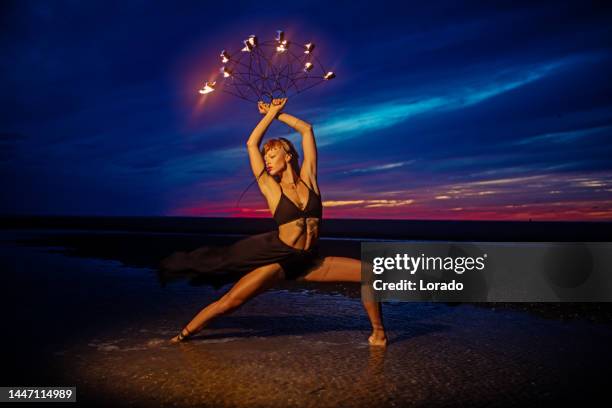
{"points": [[298, 212]]}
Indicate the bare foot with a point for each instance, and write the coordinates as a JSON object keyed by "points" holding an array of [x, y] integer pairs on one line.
{"points": [[378, 339], [182, 336]]}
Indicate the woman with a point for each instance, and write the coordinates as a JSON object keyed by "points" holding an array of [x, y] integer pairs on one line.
{"points": [[294, 199]]}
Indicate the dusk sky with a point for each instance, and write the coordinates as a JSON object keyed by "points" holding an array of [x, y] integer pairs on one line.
{"points": [[440, 110]]}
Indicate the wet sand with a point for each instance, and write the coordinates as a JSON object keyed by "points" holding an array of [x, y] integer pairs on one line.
{"points": [[100, 320]]}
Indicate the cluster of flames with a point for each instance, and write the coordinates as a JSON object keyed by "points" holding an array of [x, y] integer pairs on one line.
{"points": [[249, 44]]}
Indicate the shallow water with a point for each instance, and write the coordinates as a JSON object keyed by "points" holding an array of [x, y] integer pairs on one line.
{"points": [[103, 326]]}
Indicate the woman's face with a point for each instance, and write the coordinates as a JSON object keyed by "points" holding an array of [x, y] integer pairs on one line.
{"points": [[276, 160]]}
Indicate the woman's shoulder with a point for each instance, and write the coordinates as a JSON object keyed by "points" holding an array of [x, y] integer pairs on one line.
{"points": [[268, 184]]}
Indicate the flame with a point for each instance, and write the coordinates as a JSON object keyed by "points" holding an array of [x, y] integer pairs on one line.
{"points": [[250, 43], [224, 57], [329, 75], [208, 88], [282, 47], [309, 47], [226, 72]]}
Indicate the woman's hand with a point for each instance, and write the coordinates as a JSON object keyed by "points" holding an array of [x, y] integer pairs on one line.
{"points": [[263, 107], [276, 106]]}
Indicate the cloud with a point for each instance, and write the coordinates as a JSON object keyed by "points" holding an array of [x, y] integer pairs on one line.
{"points": [[380, 167], [563, 137], [368, 203], [352, 122], [342, 203]]}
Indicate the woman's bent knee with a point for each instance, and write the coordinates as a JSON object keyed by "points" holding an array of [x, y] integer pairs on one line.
{"points": [[276, 272]]}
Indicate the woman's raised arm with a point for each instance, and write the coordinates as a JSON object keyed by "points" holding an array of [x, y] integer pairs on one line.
{"points": [[309, 145], [257, 162]]}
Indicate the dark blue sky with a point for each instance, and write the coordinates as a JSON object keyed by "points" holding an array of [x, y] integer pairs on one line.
{"points": [[440, 110]]}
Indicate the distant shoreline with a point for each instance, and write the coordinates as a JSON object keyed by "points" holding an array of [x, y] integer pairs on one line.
{"points": [[493, 231]]}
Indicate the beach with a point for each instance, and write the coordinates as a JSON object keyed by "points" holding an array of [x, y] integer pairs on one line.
{"points": [[88, 311]]}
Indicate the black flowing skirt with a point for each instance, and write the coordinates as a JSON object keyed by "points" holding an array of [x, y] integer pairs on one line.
{"points": [[219, 265]]}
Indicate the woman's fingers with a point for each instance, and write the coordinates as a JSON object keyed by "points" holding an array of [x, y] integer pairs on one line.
{"points": [[277, 104], [279, 101], [263, 107]]}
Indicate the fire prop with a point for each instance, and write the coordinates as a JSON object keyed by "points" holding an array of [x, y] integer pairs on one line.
{"points": [[264, 70]]}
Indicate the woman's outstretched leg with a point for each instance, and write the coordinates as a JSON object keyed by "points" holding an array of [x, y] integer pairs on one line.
{"points": [[341, 269], [251, 284]]}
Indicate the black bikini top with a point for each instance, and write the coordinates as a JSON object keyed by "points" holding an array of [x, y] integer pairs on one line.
{"points": [[286, 211]]}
